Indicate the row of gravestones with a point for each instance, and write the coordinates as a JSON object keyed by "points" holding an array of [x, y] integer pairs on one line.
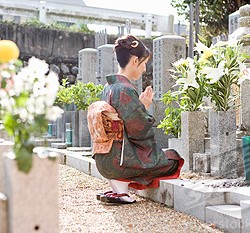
{"points": [[95, 64]]}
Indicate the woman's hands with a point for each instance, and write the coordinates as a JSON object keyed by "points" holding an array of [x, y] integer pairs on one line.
{"points": [[147, 96]]}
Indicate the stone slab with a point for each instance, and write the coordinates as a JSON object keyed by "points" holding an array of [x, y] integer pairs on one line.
{"points": [[76, 161], [164, 194], [237, 194], [192, 197], [245, 216], [226, 217], [61, 145]]}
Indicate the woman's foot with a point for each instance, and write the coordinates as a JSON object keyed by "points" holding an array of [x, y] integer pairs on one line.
{"points": [[98, 195], [122, 198]]}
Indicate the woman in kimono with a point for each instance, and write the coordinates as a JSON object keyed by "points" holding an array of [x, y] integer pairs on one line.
{"points": [[135, 160]]}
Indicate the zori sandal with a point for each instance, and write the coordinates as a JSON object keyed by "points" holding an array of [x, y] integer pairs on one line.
{"points": [[116, 198], [98, 195]]}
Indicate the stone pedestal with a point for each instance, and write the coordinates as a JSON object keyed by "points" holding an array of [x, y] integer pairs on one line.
{"points": [[32, 197], [193, 136], [87, 62], [84, 135], [223, 146]]}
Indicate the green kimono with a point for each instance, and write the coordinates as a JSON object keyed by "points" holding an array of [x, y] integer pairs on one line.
{"points": [[142, 160]]}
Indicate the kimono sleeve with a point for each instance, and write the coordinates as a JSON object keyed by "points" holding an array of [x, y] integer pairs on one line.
{"points": [[137, 120]]}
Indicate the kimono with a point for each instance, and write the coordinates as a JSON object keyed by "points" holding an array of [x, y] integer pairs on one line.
{"points": [[137, 158]]}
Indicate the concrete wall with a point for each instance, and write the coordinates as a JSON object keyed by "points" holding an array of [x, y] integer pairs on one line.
{"points": [[52, 45]]}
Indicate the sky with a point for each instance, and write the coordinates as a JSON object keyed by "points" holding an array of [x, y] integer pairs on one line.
{"points": [[159, 7]]}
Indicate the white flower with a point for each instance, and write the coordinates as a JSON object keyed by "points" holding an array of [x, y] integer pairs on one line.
{"points": [[214, 74], [204, 51], [244, 75], [53, 113], [190, 80], [38, 66], [184, 62]]}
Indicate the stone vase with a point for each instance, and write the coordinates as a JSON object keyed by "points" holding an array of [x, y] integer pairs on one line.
{"points": [[32, 199], [84, 135], [192, 136], [223, 146]]}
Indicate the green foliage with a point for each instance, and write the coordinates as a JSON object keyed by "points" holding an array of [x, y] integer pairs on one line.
{"points": [[65, 94], [171, 123], [213, 14], [81, 94], [58, 26], [85, 94]]}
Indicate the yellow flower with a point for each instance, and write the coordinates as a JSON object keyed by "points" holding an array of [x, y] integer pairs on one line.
{"points": [[8, 51], [204, 51]]}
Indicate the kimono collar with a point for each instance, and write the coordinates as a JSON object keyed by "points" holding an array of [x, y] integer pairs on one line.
{"points": [[111, 79]]}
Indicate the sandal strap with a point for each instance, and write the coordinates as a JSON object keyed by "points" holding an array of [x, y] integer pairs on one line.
{"points": [[119, 195]]}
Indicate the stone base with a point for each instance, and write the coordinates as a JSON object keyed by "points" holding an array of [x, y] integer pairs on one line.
{"points": [[32, 197]]}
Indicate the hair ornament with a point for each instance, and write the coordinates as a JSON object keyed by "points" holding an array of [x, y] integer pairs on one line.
{"points": [[134, 44]]}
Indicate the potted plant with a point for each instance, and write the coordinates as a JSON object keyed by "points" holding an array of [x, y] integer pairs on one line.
{"points": [[224, 69], [64, 97], [189, 96], [85, 94]]}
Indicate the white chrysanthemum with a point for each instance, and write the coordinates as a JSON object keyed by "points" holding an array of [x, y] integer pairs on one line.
{"points": [[23, 113], [53, 113], [37, 66], [5, 74]]}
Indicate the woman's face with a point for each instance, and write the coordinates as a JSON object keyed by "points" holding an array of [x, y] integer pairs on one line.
{"points": [[139, 68]]}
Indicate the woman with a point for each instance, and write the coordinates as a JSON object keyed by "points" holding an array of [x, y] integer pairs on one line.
{"points": [[135, 160]]}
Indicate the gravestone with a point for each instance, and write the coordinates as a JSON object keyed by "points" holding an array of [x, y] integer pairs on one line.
{"points": [[106, 63], [87, 62], [242, 34], [233, 22], [166, 50]]}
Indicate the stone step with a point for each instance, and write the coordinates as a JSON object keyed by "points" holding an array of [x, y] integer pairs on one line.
{"points": [[226, 217]]}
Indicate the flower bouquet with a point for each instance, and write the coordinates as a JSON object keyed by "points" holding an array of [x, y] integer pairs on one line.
{"points": [[27, 96]]}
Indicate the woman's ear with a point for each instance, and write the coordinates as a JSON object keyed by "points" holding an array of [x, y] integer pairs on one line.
{"points": [[135, 60]]}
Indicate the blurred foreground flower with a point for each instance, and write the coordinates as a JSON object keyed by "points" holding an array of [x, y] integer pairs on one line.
{"points": [[27, 96]]}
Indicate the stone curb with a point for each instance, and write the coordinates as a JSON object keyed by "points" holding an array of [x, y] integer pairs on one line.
{"points": [[226, 208]]}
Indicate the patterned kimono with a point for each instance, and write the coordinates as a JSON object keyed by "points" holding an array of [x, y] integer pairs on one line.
{"points": [[143, 161]]}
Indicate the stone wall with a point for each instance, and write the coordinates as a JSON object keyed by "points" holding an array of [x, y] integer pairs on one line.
{"points": [[59, 48]]}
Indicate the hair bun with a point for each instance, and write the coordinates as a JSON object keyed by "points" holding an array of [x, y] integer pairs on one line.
{"points": [[129, 43]]}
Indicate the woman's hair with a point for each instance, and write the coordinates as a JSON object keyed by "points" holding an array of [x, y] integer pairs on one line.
{"points": [[128, 46]]}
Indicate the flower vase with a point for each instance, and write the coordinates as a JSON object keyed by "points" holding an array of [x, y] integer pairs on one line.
{"points": [[223, 145], [84, 135], [192, 136], [32, 197]]}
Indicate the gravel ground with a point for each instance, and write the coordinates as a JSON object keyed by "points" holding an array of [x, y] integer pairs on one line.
{"points": [[81, 212]]}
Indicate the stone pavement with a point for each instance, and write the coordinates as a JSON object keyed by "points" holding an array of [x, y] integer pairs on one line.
{"points": [[227, 208]]}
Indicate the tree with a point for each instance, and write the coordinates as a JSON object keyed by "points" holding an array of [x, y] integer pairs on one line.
{"points": [[213, 14]]}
